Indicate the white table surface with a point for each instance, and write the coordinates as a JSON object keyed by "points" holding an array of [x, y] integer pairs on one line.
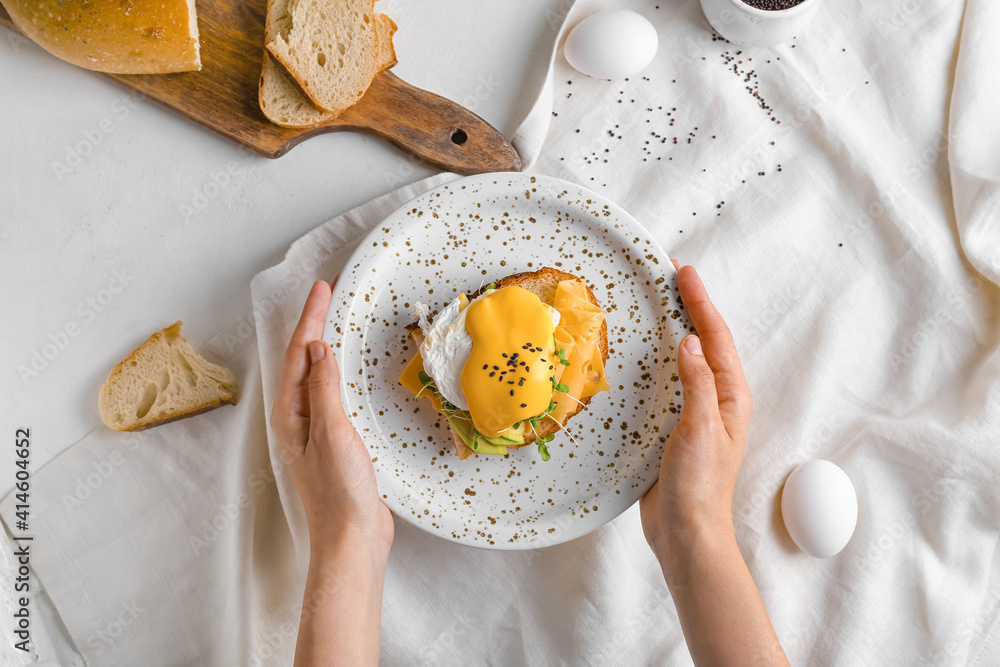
{"points": [[120, 245]]}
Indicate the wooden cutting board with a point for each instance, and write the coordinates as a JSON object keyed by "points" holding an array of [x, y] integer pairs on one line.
{"points": [[223, 97]]}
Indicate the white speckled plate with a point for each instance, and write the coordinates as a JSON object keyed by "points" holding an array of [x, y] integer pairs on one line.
{"points": [[456, 237]]}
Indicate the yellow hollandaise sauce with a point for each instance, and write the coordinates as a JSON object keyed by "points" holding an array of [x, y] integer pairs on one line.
{"points": [[579, 335], [508, 377]]}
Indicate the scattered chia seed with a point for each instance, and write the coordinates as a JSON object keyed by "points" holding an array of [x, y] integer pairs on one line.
{"points": [[772, 5]]}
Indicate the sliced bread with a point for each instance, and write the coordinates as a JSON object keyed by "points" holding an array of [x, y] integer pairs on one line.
{"points": [[328, 47], [284, 103], [163, 380]]}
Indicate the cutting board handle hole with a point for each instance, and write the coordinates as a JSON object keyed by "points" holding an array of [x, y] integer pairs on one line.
{"points": [[459, 137]]}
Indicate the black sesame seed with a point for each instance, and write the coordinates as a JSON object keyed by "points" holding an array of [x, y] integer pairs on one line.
{"points": [[492, 373], [485, 366], [504, 355], [511, 392], [523, 405]]}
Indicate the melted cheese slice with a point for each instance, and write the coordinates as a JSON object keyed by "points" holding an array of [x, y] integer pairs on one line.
{"points": [[508, 377], [410, 378], [579, 332]]}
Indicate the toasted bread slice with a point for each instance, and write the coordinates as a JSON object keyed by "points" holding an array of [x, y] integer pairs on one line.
{"points": [[543, 283], [284, 103], [328, 47], [162, 381]]}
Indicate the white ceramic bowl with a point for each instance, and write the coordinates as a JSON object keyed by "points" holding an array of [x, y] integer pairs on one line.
{"points": [[748, 26]]}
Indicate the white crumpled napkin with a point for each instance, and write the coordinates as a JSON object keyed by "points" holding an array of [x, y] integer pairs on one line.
{"points": [[849, 247]]}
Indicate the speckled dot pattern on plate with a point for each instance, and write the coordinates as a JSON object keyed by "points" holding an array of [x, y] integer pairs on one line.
{"points": [[455, 238]]}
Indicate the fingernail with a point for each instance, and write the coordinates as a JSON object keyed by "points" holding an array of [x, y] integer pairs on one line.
{"points": [[693, 345], [317, 350]]}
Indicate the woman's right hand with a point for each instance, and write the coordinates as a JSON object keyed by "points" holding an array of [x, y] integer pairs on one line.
{"points": [[687, 515], [693, 496]]}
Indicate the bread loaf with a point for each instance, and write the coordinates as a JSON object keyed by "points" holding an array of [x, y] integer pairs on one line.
{"points": [[118, 36]]}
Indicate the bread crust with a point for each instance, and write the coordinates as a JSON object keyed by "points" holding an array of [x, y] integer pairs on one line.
{"points": [[126, 37], [207, 407], [542, 282]]}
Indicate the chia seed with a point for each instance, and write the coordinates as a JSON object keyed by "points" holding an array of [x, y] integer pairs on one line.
{"points": [[772, 5]]}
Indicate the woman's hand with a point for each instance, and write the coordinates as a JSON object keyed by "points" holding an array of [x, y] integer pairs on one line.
{"points": [[694, 494], [329, 463], [350, 530], [687, 515]]}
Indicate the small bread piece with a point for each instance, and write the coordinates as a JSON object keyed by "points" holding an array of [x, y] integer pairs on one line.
{"points": [[543, 283], [118, 36], [162, 381], [284, 103], [328, 47]]}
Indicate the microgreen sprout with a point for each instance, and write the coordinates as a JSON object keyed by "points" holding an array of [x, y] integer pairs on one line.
{"points": [[427, 383]]}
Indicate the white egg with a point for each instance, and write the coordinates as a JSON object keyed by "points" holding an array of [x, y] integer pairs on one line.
{"points": [[612, 44], [820, 508]]}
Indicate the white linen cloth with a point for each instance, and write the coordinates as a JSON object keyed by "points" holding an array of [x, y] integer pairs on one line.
{"points": [[853, 249]]}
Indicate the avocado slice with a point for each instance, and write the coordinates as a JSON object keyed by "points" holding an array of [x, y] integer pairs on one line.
{"points": [[481, 445], [514, 435]]}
